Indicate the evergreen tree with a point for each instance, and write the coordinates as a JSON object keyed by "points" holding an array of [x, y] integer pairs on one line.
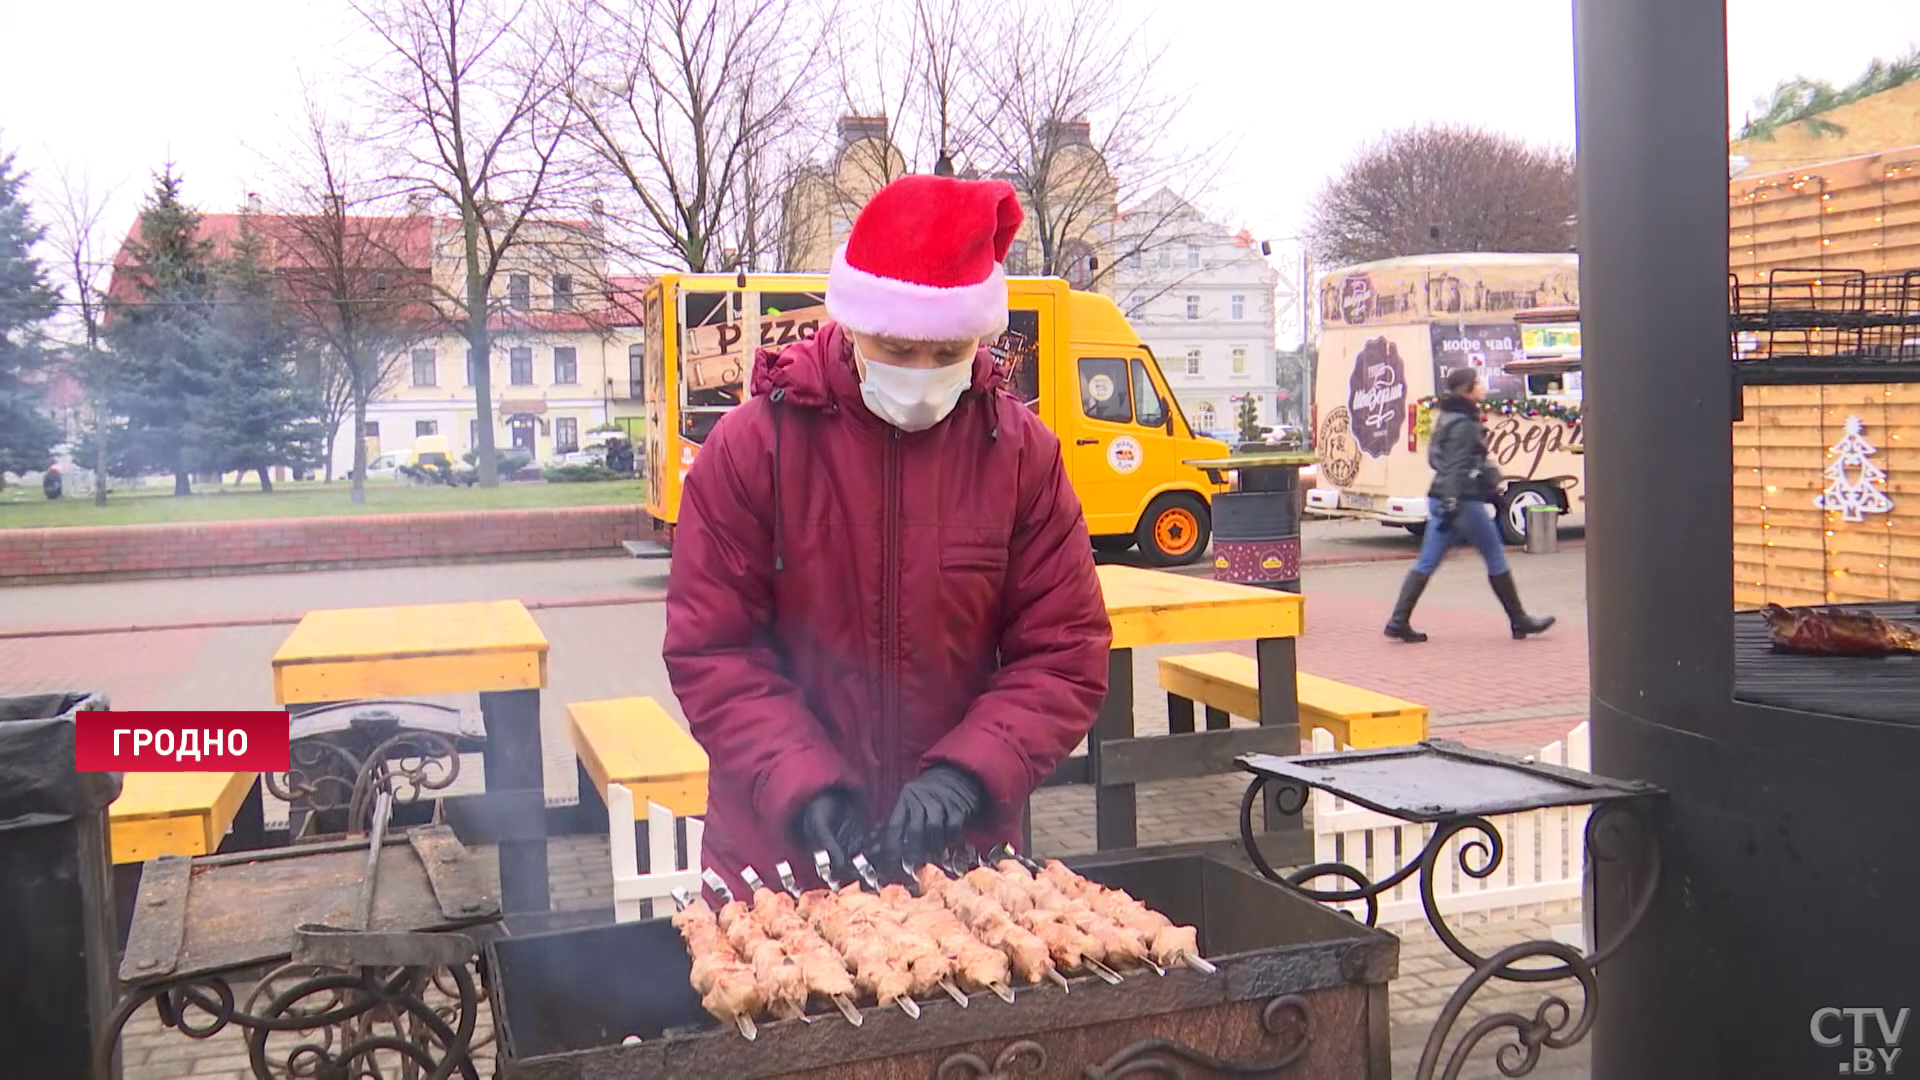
{"points": [[27, 300], [256, 414], [159, 328]]}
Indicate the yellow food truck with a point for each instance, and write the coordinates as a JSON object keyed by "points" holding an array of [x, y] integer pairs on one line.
{"points": [[1392, 330], [1071, 357]]}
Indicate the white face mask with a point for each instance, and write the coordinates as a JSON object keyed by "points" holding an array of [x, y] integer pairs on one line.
{"points": [[913, 399]]}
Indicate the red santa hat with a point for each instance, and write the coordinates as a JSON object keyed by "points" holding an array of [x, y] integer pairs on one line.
{"points": [[924, 261]]}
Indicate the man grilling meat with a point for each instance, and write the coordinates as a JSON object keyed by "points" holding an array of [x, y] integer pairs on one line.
{"points": [[882, 609]]}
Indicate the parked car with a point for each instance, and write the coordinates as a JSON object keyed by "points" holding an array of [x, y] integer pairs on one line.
{"points": [[385, 467]]}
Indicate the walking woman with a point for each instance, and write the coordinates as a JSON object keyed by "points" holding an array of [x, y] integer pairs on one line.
{"points": [[1459, 508]]}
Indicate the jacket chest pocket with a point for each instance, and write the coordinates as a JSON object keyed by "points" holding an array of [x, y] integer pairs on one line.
{"points": [[973, 576]]}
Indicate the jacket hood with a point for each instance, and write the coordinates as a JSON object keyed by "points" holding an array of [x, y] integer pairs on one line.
{"points": [[819, 372]]}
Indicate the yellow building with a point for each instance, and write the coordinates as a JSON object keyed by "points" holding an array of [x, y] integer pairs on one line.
{"points": [[824, 200]]}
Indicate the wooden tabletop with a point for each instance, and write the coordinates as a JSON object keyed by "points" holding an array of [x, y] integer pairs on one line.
{"points": [[349, 653], [1150, 607], [169, 813]]}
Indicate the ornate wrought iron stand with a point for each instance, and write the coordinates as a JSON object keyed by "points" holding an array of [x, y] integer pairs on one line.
{"points": [[1456, 789], [371, 977]]}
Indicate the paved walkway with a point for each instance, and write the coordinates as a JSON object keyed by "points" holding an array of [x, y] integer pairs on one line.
{"points": [[604, 621]]}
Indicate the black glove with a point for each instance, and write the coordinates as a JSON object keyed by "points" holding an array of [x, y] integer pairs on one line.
{"points": [[1449, 509], [833, 822], [933, 810]]}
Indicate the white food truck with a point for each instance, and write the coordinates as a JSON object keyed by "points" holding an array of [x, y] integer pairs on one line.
{"points": [[1392, 330]]}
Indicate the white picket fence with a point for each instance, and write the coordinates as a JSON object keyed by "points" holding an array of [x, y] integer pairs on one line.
{"points": [[1543, 862], [637, 895]]}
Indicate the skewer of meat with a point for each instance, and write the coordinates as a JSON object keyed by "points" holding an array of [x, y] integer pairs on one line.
{"points": [[876, 970], [990, 922], [726, 984], [780, 978], [975, 964], [1168, 942]]}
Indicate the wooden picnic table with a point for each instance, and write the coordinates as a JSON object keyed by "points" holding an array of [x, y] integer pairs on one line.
{"points": [[1152, 608], [493, 648]]}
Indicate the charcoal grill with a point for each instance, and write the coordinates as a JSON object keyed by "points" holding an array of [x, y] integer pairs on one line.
{"points": [[1885, 688], [1298, 988]]}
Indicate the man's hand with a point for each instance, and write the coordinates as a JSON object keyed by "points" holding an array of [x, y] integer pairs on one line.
{"points": [[933, 811], [833, 822], [1449, 509]]}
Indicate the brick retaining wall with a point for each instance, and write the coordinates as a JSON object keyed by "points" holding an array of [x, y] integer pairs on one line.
{"points": [[192, 549]]}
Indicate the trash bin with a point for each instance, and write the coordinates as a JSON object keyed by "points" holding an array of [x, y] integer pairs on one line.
{"points": [[56, 890], [1543, 530]]}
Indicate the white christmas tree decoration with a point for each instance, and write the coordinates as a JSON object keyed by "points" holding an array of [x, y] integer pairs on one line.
{"points": [[1855, 485]]}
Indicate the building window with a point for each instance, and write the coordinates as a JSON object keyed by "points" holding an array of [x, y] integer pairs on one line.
{"points": [[1193, 361], [1203, 416], [1017, 262], [1193, 307], [519, 292], [1193, 256], [425, 427], [562, 292], [469, 366], [636, 371], [520, 366], [1164, 259], [1239, 362], [566, 365], [423, 368], [1078, 257], [1132, 260], [1239, 306], [566, 435], [373, 429]]}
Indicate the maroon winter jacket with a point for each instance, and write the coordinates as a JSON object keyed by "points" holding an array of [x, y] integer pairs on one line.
{"points": [[849, 604]]}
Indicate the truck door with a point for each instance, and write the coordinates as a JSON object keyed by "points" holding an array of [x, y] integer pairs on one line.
{"points": [[1118, 449]]}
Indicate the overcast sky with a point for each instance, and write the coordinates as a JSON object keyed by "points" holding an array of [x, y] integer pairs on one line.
{"points": [[112, 88]]}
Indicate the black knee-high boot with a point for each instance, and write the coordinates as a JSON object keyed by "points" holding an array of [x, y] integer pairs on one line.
{"points": [[1522, 623], [1399, 625]]}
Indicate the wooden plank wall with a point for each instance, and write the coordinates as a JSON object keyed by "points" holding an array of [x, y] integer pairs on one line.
{"points": [[1858, 214], [1788, 551]]}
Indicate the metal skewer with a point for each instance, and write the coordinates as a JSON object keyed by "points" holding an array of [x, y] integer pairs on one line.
{"points": [[908, 1006], [717, 884], [752, 877], [682, 899], [823, 865], [1002, 991], [787, 882], [1106, 974], [1053, 976], [747, 1027], [865, 869], [849, 1010], [1157, 969], [1199, 964]]}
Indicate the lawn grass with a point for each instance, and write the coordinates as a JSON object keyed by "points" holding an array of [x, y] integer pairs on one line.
{"points": [[22, 508]]}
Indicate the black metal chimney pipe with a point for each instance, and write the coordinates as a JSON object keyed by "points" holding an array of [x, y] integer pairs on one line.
{"points": [[1790, 839]]}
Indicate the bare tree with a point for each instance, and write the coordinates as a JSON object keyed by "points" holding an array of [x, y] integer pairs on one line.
{"points": [[1445, 188], [473, 95], [76, 214], [1070, 106], [358, 282], [685, 105]]}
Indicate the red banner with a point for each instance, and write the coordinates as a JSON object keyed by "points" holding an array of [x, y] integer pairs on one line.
{"points": [[255, 741]]}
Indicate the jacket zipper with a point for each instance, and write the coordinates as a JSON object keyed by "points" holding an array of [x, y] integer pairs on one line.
{"points": [[889, 615]]}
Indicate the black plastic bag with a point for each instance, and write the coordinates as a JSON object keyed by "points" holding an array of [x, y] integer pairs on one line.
{"points": [[38, 784]]}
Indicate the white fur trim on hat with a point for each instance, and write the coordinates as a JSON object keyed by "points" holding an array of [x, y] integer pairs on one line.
{"points": [[884, 307]]}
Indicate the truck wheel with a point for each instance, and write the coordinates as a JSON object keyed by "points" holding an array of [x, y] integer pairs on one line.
{"points": [[1112, 545], [1174, 530], [1513, 506]]}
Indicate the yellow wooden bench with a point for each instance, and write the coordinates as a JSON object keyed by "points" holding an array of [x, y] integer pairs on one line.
{"points": [[184, 813], [1228, 685], [635, 743]]}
